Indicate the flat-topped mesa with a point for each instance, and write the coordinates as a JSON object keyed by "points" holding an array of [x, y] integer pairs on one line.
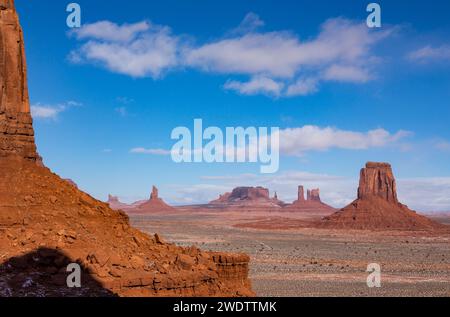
{"points": [[16, 125], [377, 179], [252, 193]]}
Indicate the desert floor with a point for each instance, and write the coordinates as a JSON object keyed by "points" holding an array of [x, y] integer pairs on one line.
{"points": [[312, 262]]}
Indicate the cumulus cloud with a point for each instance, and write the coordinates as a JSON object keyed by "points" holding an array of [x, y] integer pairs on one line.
{"points": [[303, 87], [108, 31], [346, 74], [137, 50], [257, 85], [43, 111], [429, 53], [297, 141], [278, 63]]}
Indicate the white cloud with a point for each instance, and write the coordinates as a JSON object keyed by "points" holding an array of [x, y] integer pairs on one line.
{"points": [[45, 112], [303, 87], [346, 74], [41, 111], [278, 63], [250, 23], [430, 53], [297, 141], [141, 150], [108, 31], [425, 194], [137, 50], [282, 54], [257, 85]]}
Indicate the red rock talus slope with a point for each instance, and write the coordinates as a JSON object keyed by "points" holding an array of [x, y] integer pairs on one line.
{"points": [[313, 203], [377, 206], [47, 223]]}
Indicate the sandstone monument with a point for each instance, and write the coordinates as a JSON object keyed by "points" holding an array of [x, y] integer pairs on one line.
{"points": [[255, 197], [47, 223], [154, 204], [377, 206], [312, 204]]}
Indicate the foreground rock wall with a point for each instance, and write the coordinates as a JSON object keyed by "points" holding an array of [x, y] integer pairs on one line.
{"points": [[47, 223]]}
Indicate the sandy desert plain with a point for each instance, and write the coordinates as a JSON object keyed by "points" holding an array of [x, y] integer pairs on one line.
{"points": [[288, 260]]}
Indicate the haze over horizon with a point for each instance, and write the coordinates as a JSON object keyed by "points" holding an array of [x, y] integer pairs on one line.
{"points": [[106, 97]]}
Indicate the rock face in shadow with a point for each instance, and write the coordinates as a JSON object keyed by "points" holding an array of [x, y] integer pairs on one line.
{"points": [[16, 125], [41, 211], [377, 206]]}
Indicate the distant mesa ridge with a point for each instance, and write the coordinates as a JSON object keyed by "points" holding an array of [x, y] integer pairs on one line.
{"points": [[247, 197]]}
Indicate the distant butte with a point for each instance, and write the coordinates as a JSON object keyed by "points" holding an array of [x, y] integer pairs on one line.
{"points": [[312, 203], [377, 206], [154, 204]]}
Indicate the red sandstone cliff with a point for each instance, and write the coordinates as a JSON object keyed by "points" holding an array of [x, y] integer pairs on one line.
{"points": [[47, 223], [377, 206], [16, 130]]}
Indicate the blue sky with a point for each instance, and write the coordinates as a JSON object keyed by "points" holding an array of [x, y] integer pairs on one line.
{"points": [[342, 94]]}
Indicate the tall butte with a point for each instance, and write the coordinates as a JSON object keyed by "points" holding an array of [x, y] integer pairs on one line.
{"points": [[16, 130], [377, 206], [46, 223]]}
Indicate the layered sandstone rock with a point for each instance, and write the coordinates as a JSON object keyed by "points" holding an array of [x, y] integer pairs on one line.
{"points": [[377, 179], [377, 206], [16, 130], [46, 223]]}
